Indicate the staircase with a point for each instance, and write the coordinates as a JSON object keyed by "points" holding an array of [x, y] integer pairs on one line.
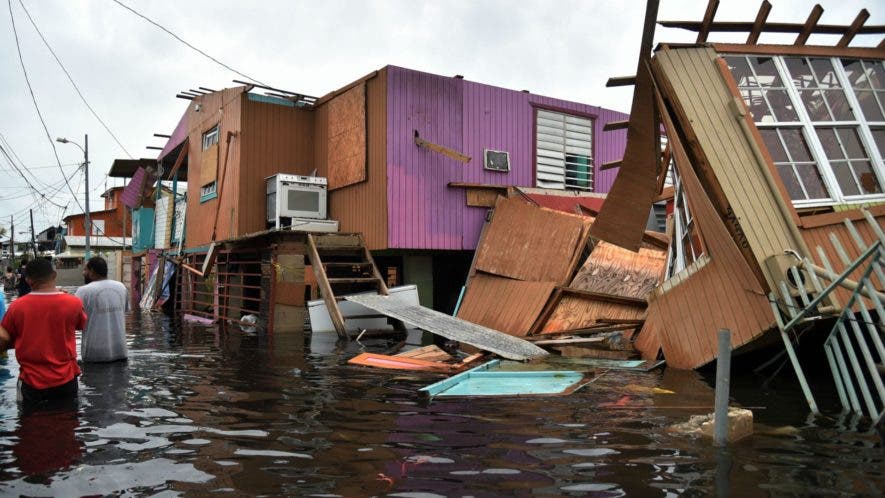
{"points": [[342, 265]]}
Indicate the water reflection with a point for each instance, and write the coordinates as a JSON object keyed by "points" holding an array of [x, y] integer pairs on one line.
{"points": [[201, 409]]}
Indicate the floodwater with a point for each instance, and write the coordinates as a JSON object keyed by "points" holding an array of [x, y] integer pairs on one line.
{"points": [[202, 411]]}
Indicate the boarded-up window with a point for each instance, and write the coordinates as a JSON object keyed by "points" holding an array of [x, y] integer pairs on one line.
{"points": [[346, 146], [209, 157], [563, 151]]}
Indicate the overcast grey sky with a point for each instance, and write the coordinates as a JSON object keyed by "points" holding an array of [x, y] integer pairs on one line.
{"points": [[130, 71]]}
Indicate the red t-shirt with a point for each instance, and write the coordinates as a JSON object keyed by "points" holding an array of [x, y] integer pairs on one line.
{"points": [[42, 325]]}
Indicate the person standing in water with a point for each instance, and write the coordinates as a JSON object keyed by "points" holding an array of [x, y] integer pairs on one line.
{"points": [[41, 327], [105, 302]]}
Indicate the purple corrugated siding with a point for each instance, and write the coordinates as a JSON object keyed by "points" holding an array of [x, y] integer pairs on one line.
{"points": [[131, 195], [422, 209], [469, 117], [179, 135]]}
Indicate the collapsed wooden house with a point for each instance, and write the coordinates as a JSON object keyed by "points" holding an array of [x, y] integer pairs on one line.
{"points": [[776, 151]]}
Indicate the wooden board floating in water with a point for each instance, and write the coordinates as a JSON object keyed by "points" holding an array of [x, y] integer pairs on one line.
{"points": [[486, 339]]}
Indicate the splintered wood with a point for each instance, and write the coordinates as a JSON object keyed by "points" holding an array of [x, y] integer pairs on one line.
{"points": [[525, 277]]}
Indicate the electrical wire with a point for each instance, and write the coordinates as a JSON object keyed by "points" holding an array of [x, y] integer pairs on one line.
{"points": [[204, 54], [34, 100], [71, 79]]}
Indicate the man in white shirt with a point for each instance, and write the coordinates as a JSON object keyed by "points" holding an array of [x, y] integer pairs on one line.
{"points": [[105, 302]]}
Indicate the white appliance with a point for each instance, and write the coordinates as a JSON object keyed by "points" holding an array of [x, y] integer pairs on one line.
{"points": [[294, 197]]}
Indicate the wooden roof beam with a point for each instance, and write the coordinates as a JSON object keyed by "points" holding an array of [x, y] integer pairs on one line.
{"points": [[774, 27], [810, 25], [621, 81], [616, 125], [610, 165], [761, 17], [712, 6], [858, 23]]}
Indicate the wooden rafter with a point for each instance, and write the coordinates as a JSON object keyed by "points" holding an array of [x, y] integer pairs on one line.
{"points": [[759, 23], [810, 25], [621, 81], [616, 125], [772, 27], [712, 7], [858, 23], [610, 165]]}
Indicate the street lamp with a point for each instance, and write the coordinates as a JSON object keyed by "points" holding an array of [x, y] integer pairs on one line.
{"points": [[86, 224]]}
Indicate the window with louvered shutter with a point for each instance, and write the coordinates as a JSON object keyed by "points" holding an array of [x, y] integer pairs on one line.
{"points": [[563, 151]]}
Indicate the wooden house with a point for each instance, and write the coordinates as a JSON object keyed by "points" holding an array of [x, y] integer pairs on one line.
{"points": [[406, 154], [773, 148], [109, 226]]}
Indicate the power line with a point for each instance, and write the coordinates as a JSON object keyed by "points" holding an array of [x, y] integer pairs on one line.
{"points": [[34, 100], [31, 185], [204, 54], [71, 79]]}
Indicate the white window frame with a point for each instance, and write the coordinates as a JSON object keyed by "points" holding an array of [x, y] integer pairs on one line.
{"points": [[551, 165], [210, 137], [809, 132]]}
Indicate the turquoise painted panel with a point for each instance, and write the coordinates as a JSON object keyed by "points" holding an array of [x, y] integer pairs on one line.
{"points": [[483, 381], [142, 229], [267, 99]]}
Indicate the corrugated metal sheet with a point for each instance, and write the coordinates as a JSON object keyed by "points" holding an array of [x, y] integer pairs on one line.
{"points": [[132, 192], [705, 99], [511, 306], [424, 213], [362, 207], [718, 291], [530, 243]]}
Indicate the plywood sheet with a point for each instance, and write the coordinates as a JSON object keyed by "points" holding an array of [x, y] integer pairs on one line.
{"points": [[576, 311], [346, 149], [614, 270], [511, 306], [529, 243], [493, 341]]}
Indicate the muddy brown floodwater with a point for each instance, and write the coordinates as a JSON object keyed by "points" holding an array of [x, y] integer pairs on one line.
{"points": [[199, 410]]}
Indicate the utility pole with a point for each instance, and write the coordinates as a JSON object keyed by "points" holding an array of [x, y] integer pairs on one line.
{"points": [[33, 241], [11, 240], [88, 224]]}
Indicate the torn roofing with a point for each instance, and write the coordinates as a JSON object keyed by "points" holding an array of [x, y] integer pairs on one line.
{"points": [[567, 203], [179, 135]]}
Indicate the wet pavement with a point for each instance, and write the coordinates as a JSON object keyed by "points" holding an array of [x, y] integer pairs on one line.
{"points": [[201, 411]]}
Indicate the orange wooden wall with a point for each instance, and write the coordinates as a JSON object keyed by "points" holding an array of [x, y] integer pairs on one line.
{"points": [[361, 207]]}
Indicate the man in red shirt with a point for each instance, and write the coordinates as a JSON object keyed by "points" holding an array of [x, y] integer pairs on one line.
{"points": [[40, 326]]}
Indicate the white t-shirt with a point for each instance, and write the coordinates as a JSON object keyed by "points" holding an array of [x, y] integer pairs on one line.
{"points": [[104, 339]]}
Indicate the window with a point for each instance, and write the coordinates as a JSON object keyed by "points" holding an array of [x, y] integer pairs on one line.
{"points": [[823, 122], [210, 138], [208, 192], [563, 151], [97, 227], [687, 245]]}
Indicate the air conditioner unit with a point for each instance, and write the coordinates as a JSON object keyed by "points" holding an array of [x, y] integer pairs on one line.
{"points": [[497, 160]]}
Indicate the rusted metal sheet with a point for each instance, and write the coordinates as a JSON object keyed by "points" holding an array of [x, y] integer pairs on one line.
{"points": [[511, 306], [345, 148], [614, 270], [486, 339], [525, 242], [361, 207], [568, 202]]}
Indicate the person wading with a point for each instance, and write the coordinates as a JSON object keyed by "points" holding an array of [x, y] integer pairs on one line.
{"points": [[41, 327], [105, 301]]}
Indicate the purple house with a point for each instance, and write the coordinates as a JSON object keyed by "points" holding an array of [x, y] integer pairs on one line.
{"points": [[422, 207]]}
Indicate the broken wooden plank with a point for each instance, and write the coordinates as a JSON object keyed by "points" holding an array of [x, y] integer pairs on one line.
{"points": [[487, 339], [616, 125], [621, 81], [427, 353], [440, 149], [402, 363], [328, 295]]}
